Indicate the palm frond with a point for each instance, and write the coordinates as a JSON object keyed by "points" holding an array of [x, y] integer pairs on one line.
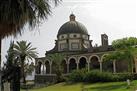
{"points": [[15, 14]]}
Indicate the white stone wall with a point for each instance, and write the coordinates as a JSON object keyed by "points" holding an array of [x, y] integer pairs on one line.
{"points": [[72, 35], [62, 42], [63, 36], [87, 43], [74, 41], [85, 37]]}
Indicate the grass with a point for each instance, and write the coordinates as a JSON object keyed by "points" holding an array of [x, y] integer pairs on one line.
{"points": [[60, 87], [111, 86]]}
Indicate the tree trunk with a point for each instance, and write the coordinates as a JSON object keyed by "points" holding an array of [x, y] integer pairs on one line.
{"points": [[22, 69], [23, 74], [0, 63]]}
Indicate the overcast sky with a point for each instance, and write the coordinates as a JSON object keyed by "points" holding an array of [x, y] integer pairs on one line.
{"points": [[116, 18]]}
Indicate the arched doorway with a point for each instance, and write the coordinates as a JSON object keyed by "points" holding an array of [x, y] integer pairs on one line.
{"points": [[39, 68], [107, 65], [94, 63], [72, 64], [121, 66], [47, 66], [53, 68], [82, 63], [64, 66]]}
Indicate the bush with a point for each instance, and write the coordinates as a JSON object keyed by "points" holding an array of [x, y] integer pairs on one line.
{"points": [[124, 76], [97, 76], [77, 75]]}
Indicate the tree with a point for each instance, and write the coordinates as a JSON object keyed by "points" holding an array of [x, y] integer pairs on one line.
{"points": [[57, 58], [11, 71], [14, 15], [125, 49], [24, 51], [10, 55], [28, 68]]}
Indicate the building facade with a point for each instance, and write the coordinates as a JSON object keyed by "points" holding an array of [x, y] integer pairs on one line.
{"points": [[74, 41]]}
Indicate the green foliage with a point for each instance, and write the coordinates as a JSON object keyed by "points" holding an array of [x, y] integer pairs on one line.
{"points": [[10, 56], [125, 49], [28, 68], [23, 52], [57, 58], [97, 76], [124, 43], [77, 75], [22, 12]]}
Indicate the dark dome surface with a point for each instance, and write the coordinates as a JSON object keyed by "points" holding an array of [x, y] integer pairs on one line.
{"points": [[72, 27]]}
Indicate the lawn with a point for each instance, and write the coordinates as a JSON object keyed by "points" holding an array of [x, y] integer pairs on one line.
{"points": [[111, 86], [60, 87]]}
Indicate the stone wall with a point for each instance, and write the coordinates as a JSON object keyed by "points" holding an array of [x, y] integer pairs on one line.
{"points": [[45, 78]]}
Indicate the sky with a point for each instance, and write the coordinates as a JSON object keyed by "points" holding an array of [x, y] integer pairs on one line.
{"points": [[116, 18]]}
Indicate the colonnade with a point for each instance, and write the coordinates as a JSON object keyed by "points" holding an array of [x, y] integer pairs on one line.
{"points": [[74, 62]]}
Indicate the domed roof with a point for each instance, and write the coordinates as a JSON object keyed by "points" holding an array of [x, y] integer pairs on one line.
{"points": [[72, 26]]}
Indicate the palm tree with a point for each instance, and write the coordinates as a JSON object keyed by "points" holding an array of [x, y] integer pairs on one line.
{"points": [[24, 51], [57, 58], [15, 14]]}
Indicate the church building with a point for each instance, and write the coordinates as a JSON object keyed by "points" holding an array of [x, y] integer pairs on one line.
{"points": [[74, 41]]}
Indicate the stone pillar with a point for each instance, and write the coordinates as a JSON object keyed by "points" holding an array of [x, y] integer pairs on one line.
{"points": [[50, 70], [43, 69], [36, 69], [114, 66], [77, 65], [6, 86], [88, 66], [67, 67], [100, 66]]}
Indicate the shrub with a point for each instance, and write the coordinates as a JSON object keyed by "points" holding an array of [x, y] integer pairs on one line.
{"points": [[97, 76], [77, 75], [124, 76]]}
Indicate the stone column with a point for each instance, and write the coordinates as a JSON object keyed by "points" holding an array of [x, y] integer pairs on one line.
{"points": [[67, 67], [36, 69], [88, 66], [100, 66], [114, 66], [6, 86], [50, 70], [77, 65], [43, 68]]}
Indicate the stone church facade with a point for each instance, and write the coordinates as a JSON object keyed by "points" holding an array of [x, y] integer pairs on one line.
{"points": [[74, 41]]}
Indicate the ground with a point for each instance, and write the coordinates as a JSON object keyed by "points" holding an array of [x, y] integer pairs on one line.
{"points": [[111, 86]]}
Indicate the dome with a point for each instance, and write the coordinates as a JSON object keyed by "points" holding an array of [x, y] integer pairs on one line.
{"points": [[72, 26]]}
